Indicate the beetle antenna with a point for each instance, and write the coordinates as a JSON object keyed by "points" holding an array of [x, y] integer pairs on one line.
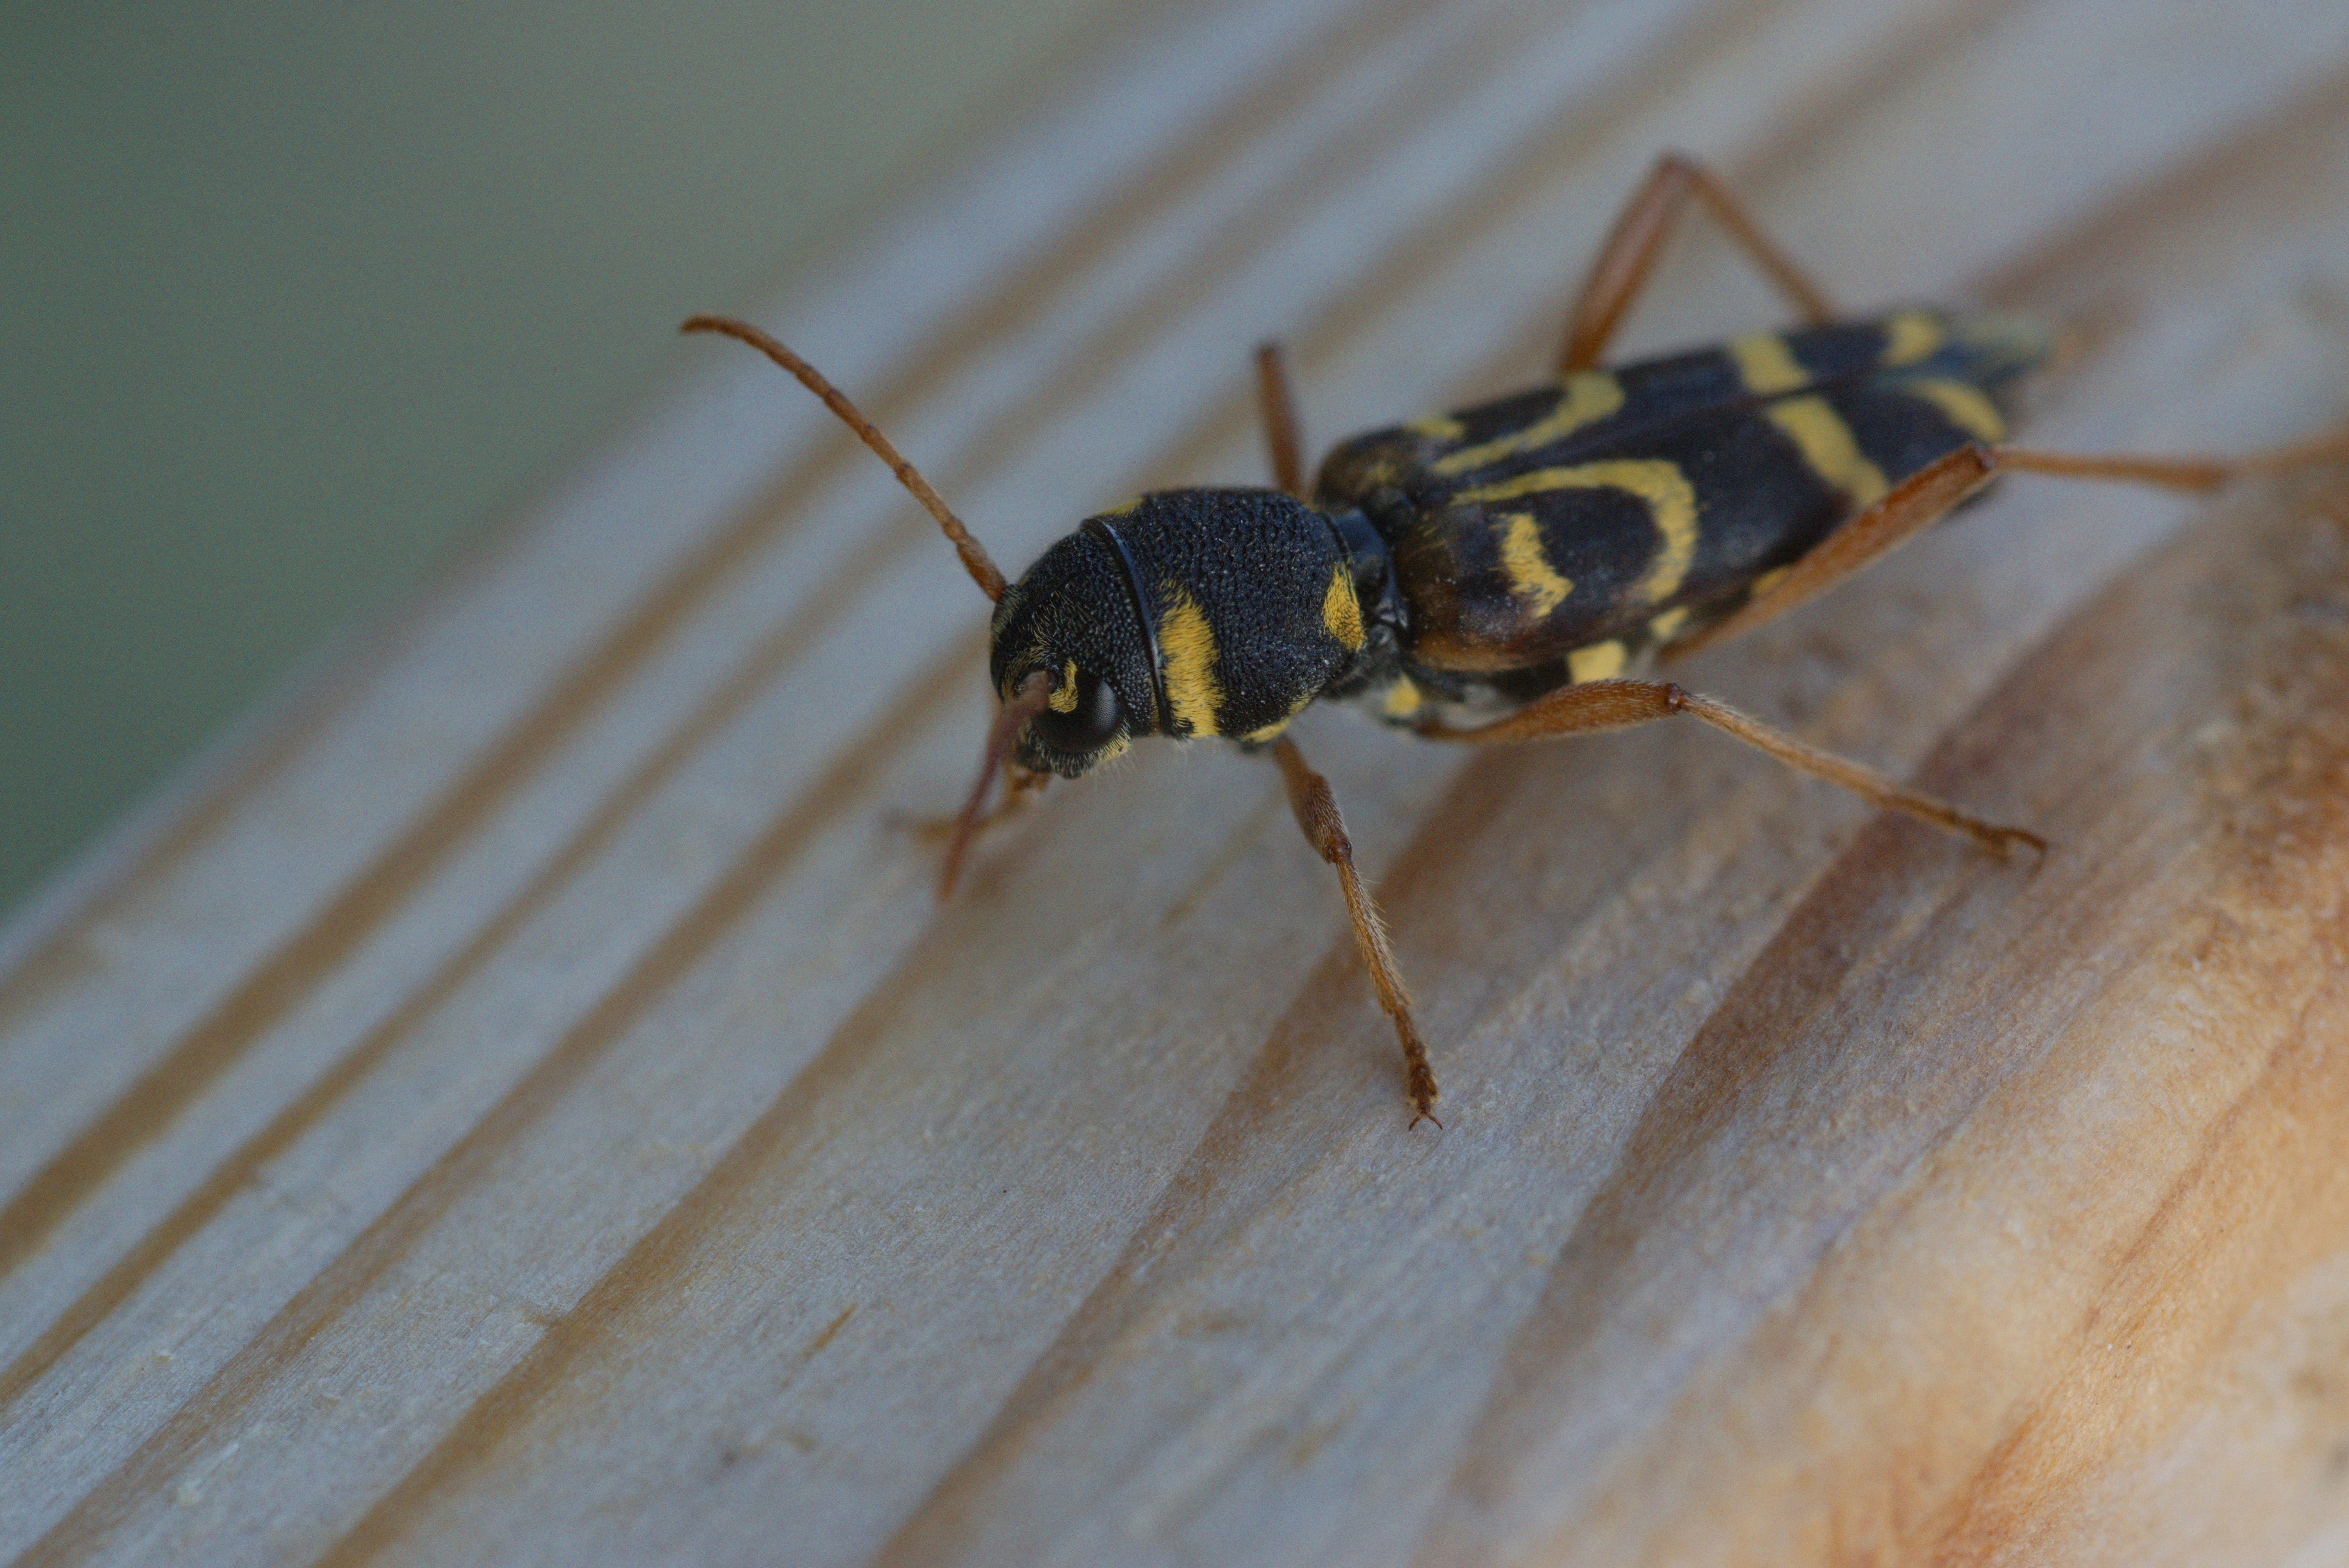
{"points": [[974, 558], [1034, 692]]}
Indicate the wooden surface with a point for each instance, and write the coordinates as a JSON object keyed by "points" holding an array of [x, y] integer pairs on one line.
{"points": [[521, 1103]]}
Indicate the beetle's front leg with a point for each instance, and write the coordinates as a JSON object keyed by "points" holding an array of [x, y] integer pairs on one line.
{"points": [[1284, 436], [1316, 806], [1019, 788]]}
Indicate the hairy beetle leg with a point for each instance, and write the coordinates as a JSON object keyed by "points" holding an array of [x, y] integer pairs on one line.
{"points": [[1596, 706], [1316, 808], [1627, 256]]}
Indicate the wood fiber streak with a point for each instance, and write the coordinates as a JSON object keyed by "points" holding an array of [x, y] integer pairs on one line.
{"points": [[2259, 933], [310, 956], [1278, 1124], [61, 957], [1813, 1187], [475, 1158], [718, 556], [1116, 343], [2204, 896], [1471, 207], [631, 1297], [2285, 159], [233, 1174], [303, 960]]}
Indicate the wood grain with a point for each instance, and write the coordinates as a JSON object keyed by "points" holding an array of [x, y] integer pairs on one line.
{"points": [[526, 1106]]}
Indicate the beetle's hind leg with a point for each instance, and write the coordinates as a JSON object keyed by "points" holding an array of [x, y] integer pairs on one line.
{"points": [[1632, 247], [1595, 706], [1928, 494], [1316, 808]]}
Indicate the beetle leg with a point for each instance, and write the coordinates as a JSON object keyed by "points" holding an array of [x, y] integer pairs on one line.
{"points": [[1025, 704], [1316, 808], [1595, 706], [2177, 473], [1629, 252], [1928, 494], [1283, 431], [1020, 786]]}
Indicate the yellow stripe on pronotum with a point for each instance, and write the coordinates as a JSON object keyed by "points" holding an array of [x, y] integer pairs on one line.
{"points": [[1342, 612], [1188, 643]]}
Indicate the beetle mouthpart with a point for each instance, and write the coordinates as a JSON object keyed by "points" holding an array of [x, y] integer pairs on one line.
{"points": [[1034, 691]]}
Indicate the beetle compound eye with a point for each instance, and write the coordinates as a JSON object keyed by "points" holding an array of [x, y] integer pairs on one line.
{"points": [[1086, 727]]}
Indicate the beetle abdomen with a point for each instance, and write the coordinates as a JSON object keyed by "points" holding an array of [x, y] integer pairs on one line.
{"points": [[1629, 503]]}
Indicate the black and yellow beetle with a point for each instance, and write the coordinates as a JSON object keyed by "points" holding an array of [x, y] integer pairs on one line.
{"points": [[1491, 574]]}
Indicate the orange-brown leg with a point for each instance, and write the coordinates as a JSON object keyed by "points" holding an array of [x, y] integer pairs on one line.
{"points": [[1596, 706], [1632, 247], [1316, 807], [2177, 473], [1283, 432], [1928, 494], [1019, 787]]}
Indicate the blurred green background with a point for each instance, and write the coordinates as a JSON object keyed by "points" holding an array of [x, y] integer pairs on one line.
{"points": [[298, 296]]}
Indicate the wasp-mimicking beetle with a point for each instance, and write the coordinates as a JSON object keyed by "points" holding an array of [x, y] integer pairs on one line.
{"points": [[1494, 573]]}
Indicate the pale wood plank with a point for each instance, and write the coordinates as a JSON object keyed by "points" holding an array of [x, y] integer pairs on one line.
{"points": [[654, 1171]]}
